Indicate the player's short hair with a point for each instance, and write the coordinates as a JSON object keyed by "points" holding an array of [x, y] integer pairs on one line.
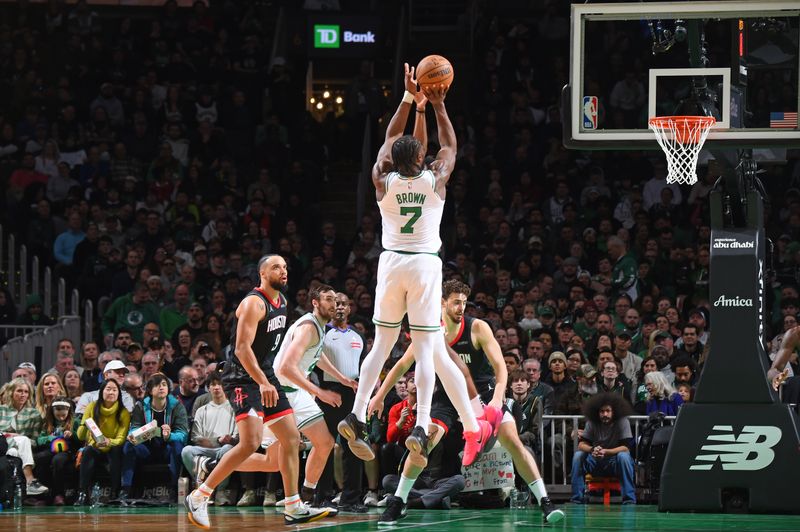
{"points": [[315, 292], [454, 286], [404, 152], [263, 261]]}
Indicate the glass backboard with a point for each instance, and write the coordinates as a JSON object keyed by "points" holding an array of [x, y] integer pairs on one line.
{"points": [[736, 61]]}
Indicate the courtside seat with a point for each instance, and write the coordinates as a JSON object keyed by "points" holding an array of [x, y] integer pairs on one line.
{"points": [[607, 489]]}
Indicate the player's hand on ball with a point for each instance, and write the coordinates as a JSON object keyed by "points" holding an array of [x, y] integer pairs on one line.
{"points": [[435, 93], [269, 395], [332, 398]]}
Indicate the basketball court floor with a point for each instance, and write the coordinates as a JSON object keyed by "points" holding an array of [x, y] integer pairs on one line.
{"points": [[589, 517]]}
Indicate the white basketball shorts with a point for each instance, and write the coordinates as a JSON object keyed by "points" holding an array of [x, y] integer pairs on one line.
{"points": [[409, 284]]}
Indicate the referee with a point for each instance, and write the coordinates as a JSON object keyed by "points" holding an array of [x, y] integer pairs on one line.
{"points": [[343, 347]]}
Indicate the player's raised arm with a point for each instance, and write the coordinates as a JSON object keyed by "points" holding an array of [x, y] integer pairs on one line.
{"points": [[420, 124], [446, 158], [394, 130]]}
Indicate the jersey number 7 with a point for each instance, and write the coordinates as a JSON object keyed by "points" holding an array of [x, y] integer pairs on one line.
{"points": [[415, 213]]}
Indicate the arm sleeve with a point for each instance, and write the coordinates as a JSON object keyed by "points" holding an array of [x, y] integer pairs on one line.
{"points": [[392, 433], [122, 429], [588, 433], [180, 424], [197, 431], [82, 433], [137, 417], [58, 251]]}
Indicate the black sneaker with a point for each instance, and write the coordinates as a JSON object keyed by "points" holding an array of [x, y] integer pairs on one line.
{"points": [[355, 432], [354, 508], [395, 510], [332, 508], [203, 466], [82, 499], [417, 442], [550, 513], [303, 513], [306, 494]]}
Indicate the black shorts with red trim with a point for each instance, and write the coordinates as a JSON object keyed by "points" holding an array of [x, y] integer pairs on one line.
{"points": [[245, 398], [444, 415]]}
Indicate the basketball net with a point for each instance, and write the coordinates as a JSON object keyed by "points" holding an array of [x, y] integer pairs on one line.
{"points": [[681, 138]]}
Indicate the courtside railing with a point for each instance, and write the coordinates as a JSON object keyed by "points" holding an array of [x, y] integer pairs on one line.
{"points": [[39, 346], [559, 439]]}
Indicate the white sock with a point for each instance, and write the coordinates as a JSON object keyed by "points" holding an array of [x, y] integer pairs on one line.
{"points": [[385, 338], [477, 405], [423, 413], [538, 489], [292, 502], [403, 487], [202, 492], [455, 386], [424, 373], [307, 484]]}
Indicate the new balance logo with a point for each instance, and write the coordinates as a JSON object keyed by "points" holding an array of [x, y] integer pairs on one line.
{"points": [[751, 451]]}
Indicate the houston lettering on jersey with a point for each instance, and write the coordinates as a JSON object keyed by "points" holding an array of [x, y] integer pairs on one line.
{"points": [[276, 323]]}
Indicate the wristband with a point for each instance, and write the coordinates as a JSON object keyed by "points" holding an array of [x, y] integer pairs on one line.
{"points": [[408, 97]]}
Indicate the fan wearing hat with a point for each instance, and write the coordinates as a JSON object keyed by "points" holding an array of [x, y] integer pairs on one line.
{"points": [[546, 315], [558, 379], [115, 370], [587, 382]]}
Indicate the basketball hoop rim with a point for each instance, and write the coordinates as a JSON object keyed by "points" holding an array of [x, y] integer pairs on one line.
{"points": [[683, 122]]}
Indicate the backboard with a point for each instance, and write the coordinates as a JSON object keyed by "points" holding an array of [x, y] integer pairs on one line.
{"points": [[736, 61]]}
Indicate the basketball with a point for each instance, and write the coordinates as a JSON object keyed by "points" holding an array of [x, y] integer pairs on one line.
{"points": [[434, 69]]}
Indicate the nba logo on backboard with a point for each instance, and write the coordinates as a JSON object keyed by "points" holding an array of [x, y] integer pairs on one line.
{"points": [[590, 112]]}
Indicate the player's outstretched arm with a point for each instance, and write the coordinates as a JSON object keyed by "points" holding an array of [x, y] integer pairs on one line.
{"points": [[420, 124], [446, 158], [396, 126], [483, 333]]}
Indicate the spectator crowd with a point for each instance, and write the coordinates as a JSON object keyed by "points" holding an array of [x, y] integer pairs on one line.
{"points": [[153, 161]]}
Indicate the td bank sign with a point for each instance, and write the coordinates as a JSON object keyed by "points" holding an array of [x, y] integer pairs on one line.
{"points": [[332, 36]]}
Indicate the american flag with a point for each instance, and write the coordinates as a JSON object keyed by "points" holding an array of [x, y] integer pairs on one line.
{"points": [[783, 120]]}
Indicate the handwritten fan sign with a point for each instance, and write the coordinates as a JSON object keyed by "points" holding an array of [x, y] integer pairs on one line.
{"points": [[494, 470]]}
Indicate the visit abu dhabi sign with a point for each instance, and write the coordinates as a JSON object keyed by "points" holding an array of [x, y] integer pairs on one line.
{"points": [[343, 36]]}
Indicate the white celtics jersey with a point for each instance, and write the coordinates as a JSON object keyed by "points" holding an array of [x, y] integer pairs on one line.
{"points": [[311, 355], [411, 213]]}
